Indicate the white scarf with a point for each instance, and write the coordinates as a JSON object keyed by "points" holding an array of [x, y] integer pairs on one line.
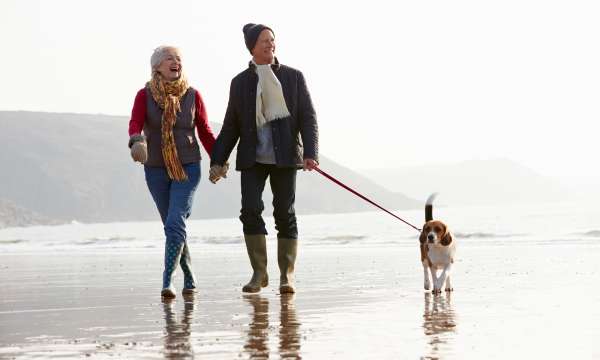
{"points": [[270, 103]]}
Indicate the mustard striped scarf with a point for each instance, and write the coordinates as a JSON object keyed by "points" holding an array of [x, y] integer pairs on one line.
{"points": [[167, 95]]}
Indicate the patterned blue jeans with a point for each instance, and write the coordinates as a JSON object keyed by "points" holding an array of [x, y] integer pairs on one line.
{"points": [[174, 202]]}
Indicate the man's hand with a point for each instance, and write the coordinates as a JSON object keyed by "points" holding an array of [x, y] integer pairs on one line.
{"points": [[310, 164], [217, 172]]}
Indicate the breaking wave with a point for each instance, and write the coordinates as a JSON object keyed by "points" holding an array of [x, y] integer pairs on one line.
{"points": [[591, 233], [105, 240], [220, 240], [484, 235], [339, 239], [12, 242]]}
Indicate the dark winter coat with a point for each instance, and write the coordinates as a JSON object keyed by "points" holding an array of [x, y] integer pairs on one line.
{"points": [[294, 138]]}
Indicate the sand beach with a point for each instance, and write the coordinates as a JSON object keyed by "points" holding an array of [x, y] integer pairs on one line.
{"points": [[353, 302]]}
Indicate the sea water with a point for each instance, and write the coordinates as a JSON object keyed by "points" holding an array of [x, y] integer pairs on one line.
{"points": [[536, 224]]}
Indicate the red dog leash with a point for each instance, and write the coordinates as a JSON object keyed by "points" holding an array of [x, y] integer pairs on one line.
{"points": [[362, 196]]}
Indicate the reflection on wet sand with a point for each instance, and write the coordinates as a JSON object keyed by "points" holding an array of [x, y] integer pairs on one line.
{"points": [[438, 323], [177, 337], [289, 336], [258, 330], [257, 342]]}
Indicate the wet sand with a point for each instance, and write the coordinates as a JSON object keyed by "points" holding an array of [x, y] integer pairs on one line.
{"points": [[510, 301]]}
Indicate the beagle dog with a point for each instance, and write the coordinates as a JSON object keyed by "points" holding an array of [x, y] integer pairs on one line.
{"points": [[437, 250]]}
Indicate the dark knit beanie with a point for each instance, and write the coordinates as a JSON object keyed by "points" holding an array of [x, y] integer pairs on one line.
{"points": [[251, 33]]}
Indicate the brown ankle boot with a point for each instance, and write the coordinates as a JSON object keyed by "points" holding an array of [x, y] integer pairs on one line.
{"points": [[286, 257], [257, 252]]}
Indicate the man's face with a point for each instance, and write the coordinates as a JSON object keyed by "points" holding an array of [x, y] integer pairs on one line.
{"points": [[264, 50]]}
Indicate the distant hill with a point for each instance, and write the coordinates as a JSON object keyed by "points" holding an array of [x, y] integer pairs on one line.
{"points": [[13, 215], [472, 182], [77, 167]]}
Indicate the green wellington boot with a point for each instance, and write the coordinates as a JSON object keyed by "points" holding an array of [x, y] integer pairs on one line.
{"points": [[172, 255], [189, 280], [257, 252], [286, 257]]}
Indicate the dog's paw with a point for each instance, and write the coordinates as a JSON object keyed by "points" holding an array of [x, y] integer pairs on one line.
{"points": [[436, 291]]}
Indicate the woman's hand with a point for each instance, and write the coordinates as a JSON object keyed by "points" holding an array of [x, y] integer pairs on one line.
{"points": [[139, 152]]}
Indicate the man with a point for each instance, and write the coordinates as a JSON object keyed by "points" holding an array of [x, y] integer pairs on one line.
{"points": [[269, 110]]}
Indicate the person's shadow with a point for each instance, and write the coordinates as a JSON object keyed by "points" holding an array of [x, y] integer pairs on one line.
{"points": [[438, 322], [257, 342], [178, 331]]}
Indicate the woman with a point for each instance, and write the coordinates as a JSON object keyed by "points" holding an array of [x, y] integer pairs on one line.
{"points": [[167, 109]]}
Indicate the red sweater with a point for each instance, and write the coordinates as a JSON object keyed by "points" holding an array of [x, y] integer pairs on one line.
{"points": [[138, 117]]}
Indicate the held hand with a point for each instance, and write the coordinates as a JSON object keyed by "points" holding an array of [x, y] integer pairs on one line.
{"points": [[139, 152], [217, 172], [310, 164], [224, 170], [214, 174]]}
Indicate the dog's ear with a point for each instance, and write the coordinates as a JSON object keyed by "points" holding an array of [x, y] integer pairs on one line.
{"points": [[447, 238], [423, 236]]}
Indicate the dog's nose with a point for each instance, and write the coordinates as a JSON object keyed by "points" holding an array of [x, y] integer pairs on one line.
{"points": [[430, 237]]}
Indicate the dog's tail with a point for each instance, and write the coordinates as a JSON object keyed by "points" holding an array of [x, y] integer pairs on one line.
{"points": [[429, 207]]}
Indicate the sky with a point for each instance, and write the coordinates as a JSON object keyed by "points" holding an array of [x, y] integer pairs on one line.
{"points": [[394, 83]]}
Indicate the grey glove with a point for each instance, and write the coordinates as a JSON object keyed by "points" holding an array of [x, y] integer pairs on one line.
{"points": [[139, 149]]}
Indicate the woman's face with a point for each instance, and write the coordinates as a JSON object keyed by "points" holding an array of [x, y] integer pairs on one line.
{"points": [[170, 67], [264, 50]]}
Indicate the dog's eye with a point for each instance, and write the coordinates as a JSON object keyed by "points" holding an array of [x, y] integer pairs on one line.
{"points": [[437, 229], [427, 229]]}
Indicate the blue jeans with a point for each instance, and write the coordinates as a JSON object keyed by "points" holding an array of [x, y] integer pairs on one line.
{"points": [[173, 198]]}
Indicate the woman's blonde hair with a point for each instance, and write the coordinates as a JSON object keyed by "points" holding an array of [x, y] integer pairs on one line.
{"points": [[159, 54]]}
